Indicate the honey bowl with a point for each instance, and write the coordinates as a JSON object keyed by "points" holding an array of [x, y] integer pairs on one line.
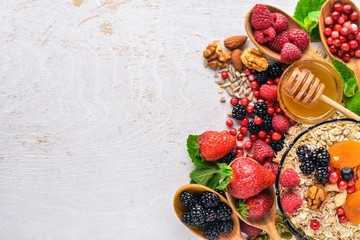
{"points": [[320, 111]]}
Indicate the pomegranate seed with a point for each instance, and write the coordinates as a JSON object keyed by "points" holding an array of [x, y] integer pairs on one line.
{"points": [[244, 101], [250, 155], [262, 134], [270, 110], [268, 140], [234, 101], [333, 49], [342, 184], [240, 137], [353, 28], [233, 131], [336, 42], [224, 75], [244, 122], [315, 224], [346, 57], [335, 15], [256, 93], [243, 129], [335, 35], [253, 137], [251, 77], [276, 136], [327, 31], [353, 44], [351, 182], [337, 7], [343, 219], [254, 85], [229, 122], [340, 211], [337, 27], [334, 177], [341, 20], [344, 31], [239, 152], [342, 39], [329, 41], [258, 120], [345, 47], [328, 21], [354, 16], [250, 108], [357, 53], [248, 144], [351, 189], [347, 8]]}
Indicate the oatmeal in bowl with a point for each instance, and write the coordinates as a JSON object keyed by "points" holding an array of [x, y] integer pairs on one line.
{"points": [[318, 182]]}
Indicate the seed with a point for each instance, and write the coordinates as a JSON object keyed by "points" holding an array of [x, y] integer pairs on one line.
{"points": [[248, 91], [206, 63], [243, 74], [230, 91], [226, 84], [241, 90], [220, 89], [237, 74], [236, 84], [216, 75], [229, 114], [220, 81], [222, 99], [232, 86], [232, 78], [236, 94], [236, 88]]}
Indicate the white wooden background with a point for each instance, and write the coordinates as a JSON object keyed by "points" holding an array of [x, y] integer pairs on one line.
{"points": [[97, 99]]}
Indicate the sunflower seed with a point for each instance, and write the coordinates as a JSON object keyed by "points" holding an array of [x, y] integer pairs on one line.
{"points": [[225, 85], [230, 91]]}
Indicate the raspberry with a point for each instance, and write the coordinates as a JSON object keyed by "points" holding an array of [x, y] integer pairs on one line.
{"points": [[249, 230], [290, 53], [279, 41], [265, 35], [291, 202], [280, 22], [289, 178], [299, 38], [262, 151], [280, 123], [275, 168], [268, 92], [261, 17]]}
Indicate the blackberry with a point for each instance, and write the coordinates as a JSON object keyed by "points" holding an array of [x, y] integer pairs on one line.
{"points": [[210, 215], [253, 128], [228, 158], [347, 173], [221, 192], [187, 199], [277, 145], [322, 174], [303, 153], [209, 199], [274, 71], [321, 157], [307, 167], [227, 226], [197, 214], [187, 219], [261, 77], [266, 122], [223, 212], [238, 112], [212, 233], [260, 109]]}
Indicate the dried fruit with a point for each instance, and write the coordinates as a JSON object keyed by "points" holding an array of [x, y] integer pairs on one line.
{"points": [[254, 59], [352, 207], [236, 60], [261, 17], [264, 35], [235, 42], [345, 154], [290, 53], [317, 197]]}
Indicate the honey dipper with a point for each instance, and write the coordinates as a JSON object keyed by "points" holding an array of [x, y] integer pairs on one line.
{"points": [[305, 88]]}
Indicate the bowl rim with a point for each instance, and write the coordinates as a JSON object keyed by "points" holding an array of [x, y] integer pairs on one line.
{"points": [[295, 231]]}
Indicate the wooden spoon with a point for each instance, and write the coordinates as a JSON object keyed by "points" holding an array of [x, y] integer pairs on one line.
{"points": [[304, 87], [326, 10], [308, 52], [197, 188], [267, 223]]}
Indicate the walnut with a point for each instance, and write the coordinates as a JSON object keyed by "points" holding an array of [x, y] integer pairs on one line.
{"points": [[317, 197], [254, 59], [215, 56]]}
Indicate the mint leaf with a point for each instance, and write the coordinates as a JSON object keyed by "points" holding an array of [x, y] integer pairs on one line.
{"points": [[347, 77], [214, 181], [202, 175], [353, 104], [193, 151]]}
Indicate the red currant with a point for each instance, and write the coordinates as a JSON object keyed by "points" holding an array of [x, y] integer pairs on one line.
{"points": [[229, 122], [337, 27], [276, 136], [257, 120], [270, 82], [328, 21], [234, 101], [327, 31], [347, 8], [270, 110], [257, 93], [353, 44], [240, 144], [336, 43], [244, 101], [262, 134], [233, 131], [224, 75], [341, 20], [240, 137], [334, 177], [337, 7], [342, 184], [343, 219], [354, 16], [351, 189], [243, 129], [248, 144], [253, 137], [268, 140], [335, 35], [251, 77], [244, 122], [250, 108], [315, 224], [346, 57], [250, 155], [329, 41], [345, 47], [344, 31], [239, 152], [351, 182], [340, 211], [247, 71], [335, 15], [357, 53], [353, 28], [276, 80], [254, 85]]}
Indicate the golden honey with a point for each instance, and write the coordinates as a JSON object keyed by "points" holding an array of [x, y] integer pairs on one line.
{"points": [[319, 111]]}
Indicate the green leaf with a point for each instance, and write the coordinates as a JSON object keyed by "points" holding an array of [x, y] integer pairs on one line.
{"points": [[353, 104], [347, 76], [193, 151], [315, 34], [304, 7], [203, 174], [225, 170], [214, 181], [243, 209]]}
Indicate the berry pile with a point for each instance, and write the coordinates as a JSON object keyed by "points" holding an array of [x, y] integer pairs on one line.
{"points": [[207, 212], [342, 33]]}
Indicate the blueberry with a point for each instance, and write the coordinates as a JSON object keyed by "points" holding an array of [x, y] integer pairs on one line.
{"points": [[347, 173]]}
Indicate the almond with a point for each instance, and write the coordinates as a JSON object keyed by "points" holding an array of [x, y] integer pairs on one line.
{"points": [[236, 60], [234, 42]]}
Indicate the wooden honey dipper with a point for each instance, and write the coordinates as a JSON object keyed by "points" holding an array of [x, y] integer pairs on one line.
{"points": [[305, 88]]}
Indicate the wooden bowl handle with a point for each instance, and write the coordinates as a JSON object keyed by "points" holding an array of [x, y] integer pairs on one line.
{"points": [[339, 107]]}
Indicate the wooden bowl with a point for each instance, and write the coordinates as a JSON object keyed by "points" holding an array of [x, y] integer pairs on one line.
{"points": [[197, 189], [326, 10], [308, 52], [267, 223]]}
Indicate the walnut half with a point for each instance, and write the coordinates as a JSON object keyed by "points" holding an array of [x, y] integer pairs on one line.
{"points": [[254, 59], [317, 197]]}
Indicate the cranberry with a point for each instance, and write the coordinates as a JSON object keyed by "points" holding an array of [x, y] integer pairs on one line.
{"points": [[270, 82], [254, 85], [347, 24], [276, 80], [329, 41], [240, 137], [315, 224], [244, 122], [352, 52], [234, 101], [343, 219], [229, 122], [327, 31], [329, 21], [233, 131], [346, 57], [250, 155], [335, 35], [337, 27], [262, 134], [333, 49], [357, 36], [357, 53], [347, 8], [354, 16], [351, 36], [345, 47], [276, 136], [342, 39], [340, 211], [278, 110], [353, 44], [344, 31], [336, 42], [353, 28], [253, 137], [224, 75], [337, 7], [250, 108], [268, 140], [257, 120], [270, 110], [342, 184], [239, 152], [256, 93], [351, 189], [243, 129], [248, 144], [341, 20], [334, 177], [244, 101], [335, 15], [345, 16]]}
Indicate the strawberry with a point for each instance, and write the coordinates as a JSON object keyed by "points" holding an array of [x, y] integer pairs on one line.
{"points": [[215, 145], [262, 151], [249, 178], [256, 207], [290, 53]]}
